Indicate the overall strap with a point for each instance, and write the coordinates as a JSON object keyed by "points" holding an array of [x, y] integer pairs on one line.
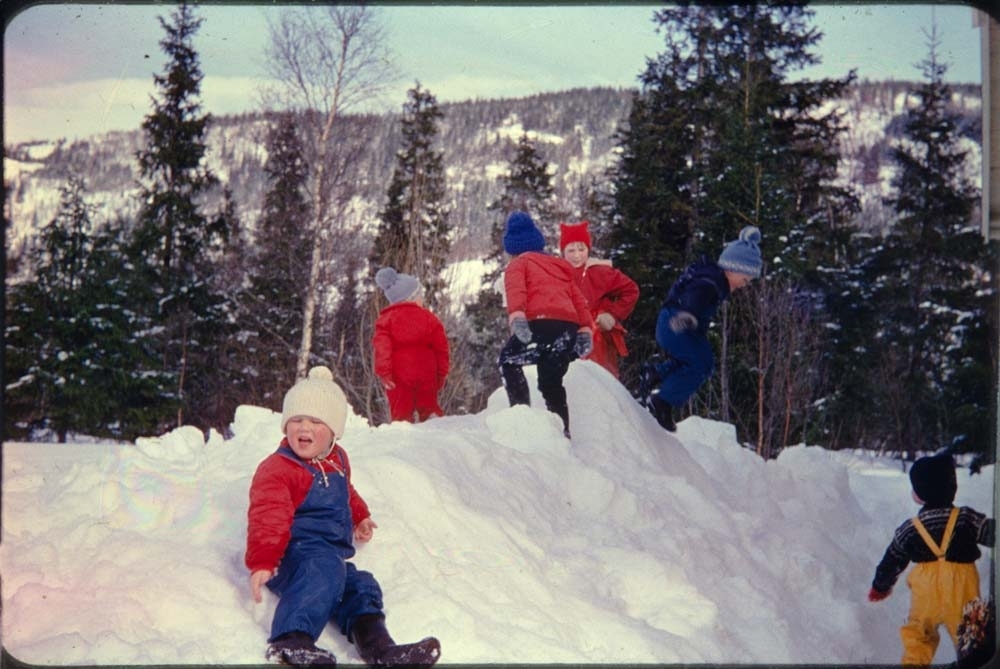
{"points": [[939, 551]]}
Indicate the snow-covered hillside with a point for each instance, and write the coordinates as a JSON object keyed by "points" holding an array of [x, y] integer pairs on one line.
{"points": [[505, 540], [574, 132]]}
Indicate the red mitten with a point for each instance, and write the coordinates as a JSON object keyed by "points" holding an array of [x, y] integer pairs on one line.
{"points": [[876, 596]]}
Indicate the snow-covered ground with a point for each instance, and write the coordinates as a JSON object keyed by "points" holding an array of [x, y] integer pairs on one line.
{"points": [[508, 542]]}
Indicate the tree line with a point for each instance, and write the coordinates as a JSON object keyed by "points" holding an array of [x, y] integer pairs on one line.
{"points": [[855, 337]]}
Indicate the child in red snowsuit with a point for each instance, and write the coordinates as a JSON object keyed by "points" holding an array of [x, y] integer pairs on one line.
{"points": [[412, 355], [609, 292], [942, 542], [303, 520], [548, 317]]}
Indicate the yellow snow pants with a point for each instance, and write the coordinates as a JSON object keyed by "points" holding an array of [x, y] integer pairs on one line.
{"points": [[939, 590]]}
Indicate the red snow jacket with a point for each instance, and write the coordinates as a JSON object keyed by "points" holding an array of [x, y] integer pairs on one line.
{"points": [[411, 347], [544, 286], [279, 486], [607, 290]]}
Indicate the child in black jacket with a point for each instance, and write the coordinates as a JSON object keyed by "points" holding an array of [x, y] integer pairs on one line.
{"points": [[943, 542]]}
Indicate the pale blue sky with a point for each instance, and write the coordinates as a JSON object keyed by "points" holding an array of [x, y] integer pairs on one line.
{"points": [[74, 70]]}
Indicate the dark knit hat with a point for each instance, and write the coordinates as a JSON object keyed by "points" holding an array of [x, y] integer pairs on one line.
{"points": [[743, 255], [933, 479], [569, 233], [522, 234], [397, 287]]}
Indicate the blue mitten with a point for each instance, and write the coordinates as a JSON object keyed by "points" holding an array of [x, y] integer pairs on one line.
{"points": [[584, 343]]}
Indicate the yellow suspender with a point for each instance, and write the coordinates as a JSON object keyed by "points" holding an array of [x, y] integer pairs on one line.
{"points": [[939, 551]]}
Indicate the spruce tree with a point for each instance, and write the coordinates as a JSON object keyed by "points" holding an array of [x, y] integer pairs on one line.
{"points": [[71, 346], [527, 186], [48, 330], [126, 367], [174, 242], [271, 306], [925, 334], [413, 230], [717, 139]]}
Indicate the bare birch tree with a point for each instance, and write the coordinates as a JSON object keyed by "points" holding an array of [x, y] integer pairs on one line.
{"points": [[787, 368], [329, 59]]}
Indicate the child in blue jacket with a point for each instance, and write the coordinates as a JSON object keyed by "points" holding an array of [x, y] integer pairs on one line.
{"points": [[687, 311]]}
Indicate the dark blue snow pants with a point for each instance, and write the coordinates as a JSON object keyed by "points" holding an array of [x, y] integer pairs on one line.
{"points": [[314, 581], [689, 362], [316, 589]]}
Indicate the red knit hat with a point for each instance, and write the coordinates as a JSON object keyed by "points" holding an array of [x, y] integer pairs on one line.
{"points": [[569, 233]]}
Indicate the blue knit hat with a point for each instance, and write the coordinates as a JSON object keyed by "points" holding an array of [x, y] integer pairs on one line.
{"points": [[522, 234], [743, 255]]}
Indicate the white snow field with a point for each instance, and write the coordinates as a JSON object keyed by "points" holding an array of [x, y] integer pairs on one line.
{"points": [[508, 542]]}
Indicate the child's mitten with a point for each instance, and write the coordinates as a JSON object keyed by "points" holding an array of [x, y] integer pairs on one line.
{"points": [[519, 326], [877, 595], [682, 321], [605, 321], [584, 343]]}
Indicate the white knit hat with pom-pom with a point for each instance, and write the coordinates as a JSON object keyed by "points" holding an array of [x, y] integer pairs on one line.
{"points": [[317, 396]]}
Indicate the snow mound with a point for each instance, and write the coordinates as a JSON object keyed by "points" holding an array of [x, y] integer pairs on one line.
{"points": [[507, 541]]}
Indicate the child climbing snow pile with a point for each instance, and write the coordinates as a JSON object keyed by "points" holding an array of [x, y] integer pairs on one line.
{"points": [[304, 518], [684, 318], [548, 317], [610, 294], [942, 542]]}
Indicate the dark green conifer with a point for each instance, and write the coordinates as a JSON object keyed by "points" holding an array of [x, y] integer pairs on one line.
{"points": [[718, 138], [923, 339], [413, 230], [175, 243]]}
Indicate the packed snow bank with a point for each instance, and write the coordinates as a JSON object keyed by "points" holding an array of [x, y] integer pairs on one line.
{"points": [[508, 542]]}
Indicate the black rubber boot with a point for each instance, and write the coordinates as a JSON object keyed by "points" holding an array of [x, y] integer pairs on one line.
{"points": [[664, 413], [377, 648], [299, 650], [563, 412], [649, 380]]}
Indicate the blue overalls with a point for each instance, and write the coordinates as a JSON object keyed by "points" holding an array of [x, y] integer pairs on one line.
{"points": [[314, 581]]}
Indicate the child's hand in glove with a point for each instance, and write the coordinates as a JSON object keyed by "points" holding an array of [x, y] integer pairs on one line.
{"points": [[584, 343], [520, 328], [683, 320], [605, 321]]}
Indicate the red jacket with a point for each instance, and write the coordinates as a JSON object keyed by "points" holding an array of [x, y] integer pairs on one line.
{"points": [[607, 289], [411, 347], [279, 486], [543, 286]]}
